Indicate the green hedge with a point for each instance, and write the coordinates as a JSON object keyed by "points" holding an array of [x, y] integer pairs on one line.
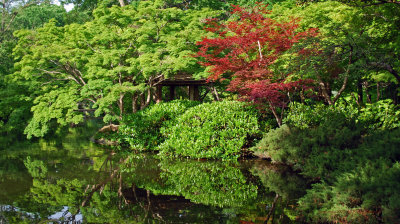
{"points": [[212, 130], [141, 130]]}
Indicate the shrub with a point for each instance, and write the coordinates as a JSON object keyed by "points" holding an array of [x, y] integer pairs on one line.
{"points": [[368, 193], [212, 130], [380, 115], [358, 173], [305, 116], [313, 141], [141, 130]]}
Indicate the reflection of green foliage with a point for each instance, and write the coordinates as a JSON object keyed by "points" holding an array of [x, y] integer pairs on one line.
{"points": [[142, 129], [13, 216], [212, 130], [62, 193], [210, 183], [223, 191], [281, 180], [35, 167], [106, 208]]}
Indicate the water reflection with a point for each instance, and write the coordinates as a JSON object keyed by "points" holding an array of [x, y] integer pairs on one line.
{"points": [[87, 184]]}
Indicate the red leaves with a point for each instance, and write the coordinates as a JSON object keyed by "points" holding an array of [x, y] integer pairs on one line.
{"points": [[246, 48]]}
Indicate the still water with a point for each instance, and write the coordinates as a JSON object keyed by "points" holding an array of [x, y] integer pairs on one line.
{"points": [[70, 180]]}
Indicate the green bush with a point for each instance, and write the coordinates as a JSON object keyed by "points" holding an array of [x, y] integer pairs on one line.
{"points": [[312, 141], [358, 171], [305, 116], [381, 115], [365, 191], [141, 130], [212, 130]]}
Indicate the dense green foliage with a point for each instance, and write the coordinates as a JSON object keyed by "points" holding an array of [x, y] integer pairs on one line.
{"points": [[108, 65], [104, 59], [365, 190], [141, 130], [382, 115], [212, 130], [357, 173], [15, 102], [210, 183]]}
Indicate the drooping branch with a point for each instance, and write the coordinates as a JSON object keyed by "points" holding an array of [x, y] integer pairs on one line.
{"points": [[71, 70], [387, 67]]}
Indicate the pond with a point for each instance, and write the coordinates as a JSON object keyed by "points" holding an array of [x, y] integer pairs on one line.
{"points": [[70, 180]]}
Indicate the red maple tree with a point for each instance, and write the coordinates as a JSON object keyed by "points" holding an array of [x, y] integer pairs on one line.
{"points": [[244, 51]]}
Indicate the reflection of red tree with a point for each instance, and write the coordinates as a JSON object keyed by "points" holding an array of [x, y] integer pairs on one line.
{"points": [[244, 51], [246, 222]]}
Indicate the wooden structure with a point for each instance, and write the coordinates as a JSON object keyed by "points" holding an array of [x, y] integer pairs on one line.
{"points": [[180, 80]]}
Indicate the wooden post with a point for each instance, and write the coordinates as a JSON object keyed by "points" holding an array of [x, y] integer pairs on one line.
{"points": [[158, 93], [171, 92], [194, 92]]}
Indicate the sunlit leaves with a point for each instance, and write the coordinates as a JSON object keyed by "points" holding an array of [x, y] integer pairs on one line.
{"points": [[104, 63]]}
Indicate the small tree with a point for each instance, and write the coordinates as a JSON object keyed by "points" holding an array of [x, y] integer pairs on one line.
{"points": [[245, 49]]}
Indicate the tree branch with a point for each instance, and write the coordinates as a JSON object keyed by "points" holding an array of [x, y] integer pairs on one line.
{"points": [[387, 67]]}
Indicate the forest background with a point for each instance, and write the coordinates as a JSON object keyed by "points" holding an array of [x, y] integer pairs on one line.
{"points": [[322, 78]]}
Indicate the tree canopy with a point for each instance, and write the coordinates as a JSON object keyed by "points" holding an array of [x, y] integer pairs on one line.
{"points": [[107, 64]]}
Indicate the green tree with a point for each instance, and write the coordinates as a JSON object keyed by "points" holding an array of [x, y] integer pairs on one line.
{"points": [[109, 65], [354, 44], [14, 101]]}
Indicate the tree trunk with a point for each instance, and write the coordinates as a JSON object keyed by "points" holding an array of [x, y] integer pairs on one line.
{"points": [[142, 100], [360, 92], [158, 94], [325, 91], [215, 93], [121, 3], [366, 84], [302, 97], [277, 117], [121, 105], [145, 101], [378, 92], [135, 96]]}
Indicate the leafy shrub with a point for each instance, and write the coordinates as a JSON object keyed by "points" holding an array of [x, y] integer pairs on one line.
{"points": [[380, 115], [305, 116], [358, 173], [141, 130], [212, 130], [366, 190], [313, 141]]}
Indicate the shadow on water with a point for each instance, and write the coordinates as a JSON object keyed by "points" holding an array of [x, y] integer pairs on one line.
{"points": [[73, 181]]}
